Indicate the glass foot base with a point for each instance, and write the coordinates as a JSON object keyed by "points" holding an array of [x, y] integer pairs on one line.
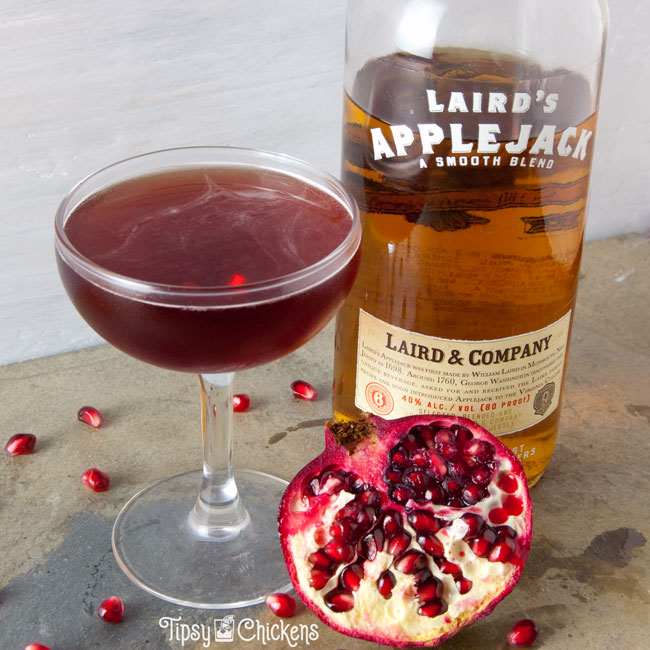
{"points": [[157, 550]]}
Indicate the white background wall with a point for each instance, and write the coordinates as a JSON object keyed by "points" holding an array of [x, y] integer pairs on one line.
{"points": [[83, 84]]}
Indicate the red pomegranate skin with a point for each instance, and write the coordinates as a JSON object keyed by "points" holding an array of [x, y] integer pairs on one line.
{"points": [[301, 526]]}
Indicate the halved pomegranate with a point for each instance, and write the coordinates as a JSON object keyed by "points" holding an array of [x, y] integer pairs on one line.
{"points": [[402, 532]]}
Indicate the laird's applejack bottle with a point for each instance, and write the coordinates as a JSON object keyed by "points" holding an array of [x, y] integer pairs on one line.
{"points": [[468, 138]]}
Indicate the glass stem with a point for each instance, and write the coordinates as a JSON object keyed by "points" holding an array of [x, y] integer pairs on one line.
{"points": [[218, 513]]}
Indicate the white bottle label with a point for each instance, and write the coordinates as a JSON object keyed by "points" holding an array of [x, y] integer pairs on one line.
{"points": [[504, 384]]}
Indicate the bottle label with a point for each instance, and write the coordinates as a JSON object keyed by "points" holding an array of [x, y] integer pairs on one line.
{"points": [[504, 384]]}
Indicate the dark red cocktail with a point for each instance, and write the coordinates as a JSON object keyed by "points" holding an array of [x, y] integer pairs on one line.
{"points": [[213, 238]]}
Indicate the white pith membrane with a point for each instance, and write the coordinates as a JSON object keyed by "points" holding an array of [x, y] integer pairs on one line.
{"points": [[396, 619]]}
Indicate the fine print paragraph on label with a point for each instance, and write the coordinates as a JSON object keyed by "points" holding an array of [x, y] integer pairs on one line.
{"points": [[504, 384]]}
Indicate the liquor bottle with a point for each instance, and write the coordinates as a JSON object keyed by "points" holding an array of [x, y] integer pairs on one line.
{"points": [[468, 139]]}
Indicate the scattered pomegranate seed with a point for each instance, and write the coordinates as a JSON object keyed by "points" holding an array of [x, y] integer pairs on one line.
{"points": [[523, 634], [20, 444], [304, 390], [91, 416], [240, 402], [111, 610], [36, 646], [96, 480], [282, 605]]}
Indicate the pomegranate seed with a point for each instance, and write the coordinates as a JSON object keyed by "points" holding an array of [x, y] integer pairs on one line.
{"points": [[435, 495], [348, 511], [444, 437], [385, 584], [432, 608], [318, 578], [513, 505], [523, 634], [320, 560], [20, 444], [339, 551], [401, 494], [36, 646], [429, 590], [502, 551], [428, 435], [350, 578], [449, 567], [455, 502], [411, 562], [393, 474], [438, 465], [370, 497], [508, 483], [459, 469], [474, 524], [372, 543], [452, 486], [91, 416], [329, 482], [96, 480], [411, 441], [420, 458], [366, 517], [482, 545], [304, 390], [448, 450], [472, 494], [423, 521], [282, 605], [111, 610], [464, 585], [236, 280], [391, 522], [462, 435], [417, 479], [399, 542], [240, 402], [479, 449], [505, 532], [344, 529], [431, 544], [399, 456], [339, 600], [482, 476], [498, 516]]}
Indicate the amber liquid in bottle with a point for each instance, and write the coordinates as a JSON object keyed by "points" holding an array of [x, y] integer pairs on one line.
{"points": [[469, 246]]}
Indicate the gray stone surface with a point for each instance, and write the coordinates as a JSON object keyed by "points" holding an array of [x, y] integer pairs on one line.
{"points": [[586, 583]]}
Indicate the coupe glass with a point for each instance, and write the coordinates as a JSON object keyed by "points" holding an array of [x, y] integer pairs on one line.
{"points": [[219, 550]]}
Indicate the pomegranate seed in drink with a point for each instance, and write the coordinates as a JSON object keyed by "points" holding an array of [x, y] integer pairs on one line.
{"points": [[304, 390], [236, 280], [240, 402], [96, 480], [282, 605], [91, 416], [111, 610], [20, 444], [523, 634]]}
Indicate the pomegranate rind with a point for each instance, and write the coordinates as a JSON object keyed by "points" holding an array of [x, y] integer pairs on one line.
{"points": [[301, 532]]}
